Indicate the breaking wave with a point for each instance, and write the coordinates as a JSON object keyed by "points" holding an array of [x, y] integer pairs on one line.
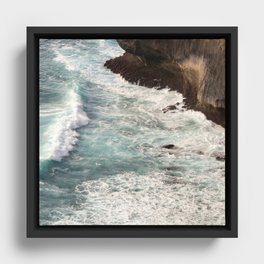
{"points": [[61, 136]]}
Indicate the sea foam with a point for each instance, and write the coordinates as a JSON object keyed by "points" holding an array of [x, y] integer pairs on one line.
{"points": [[121, 174], [64, 60], [62, 134], [152, 199]]}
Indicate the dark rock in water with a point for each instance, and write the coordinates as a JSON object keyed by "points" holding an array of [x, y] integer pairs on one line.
{"points": [[169, 108], [175, 168], [220, 158], [193, 67], [170, 146], [172, 107], [133, 69]]}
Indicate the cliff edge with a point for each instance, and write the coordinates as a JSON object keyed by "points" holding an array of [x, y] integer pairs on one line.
{"points": [[193, 67]]}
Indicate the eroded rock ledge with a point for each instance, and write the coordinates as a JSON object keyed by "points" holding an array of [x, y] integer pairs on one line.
{"points": [[194, 67]]}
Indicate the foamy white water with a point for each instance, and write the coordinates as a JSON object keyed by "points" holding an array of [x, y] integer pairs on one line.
{"points": [[61, 136], [101, 146]]}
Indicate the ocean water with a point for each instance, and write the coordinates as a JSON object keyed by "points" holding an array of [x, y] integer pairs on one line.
{"points": [[101, 138]]}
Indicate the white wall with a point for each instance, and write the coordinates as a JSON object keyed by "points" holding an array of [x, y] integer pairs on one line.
{"points": [[15, 15]]}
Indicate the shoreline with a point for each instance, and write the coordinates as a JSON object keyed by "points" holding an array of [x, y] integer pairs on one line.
{"points": [[151, 73]]}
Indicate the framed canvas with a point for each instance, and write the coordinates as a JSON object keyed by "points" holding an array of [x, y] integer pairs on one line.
{"points": [[132, 131]]}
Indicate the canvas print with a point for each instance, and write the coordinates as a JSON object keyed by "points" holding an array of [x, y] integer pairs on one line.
{"points": [[131, 132]]}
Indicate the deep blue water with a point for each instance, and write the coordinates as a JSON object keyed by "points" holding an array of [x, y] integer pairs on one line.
{"points": [[101, 160]]}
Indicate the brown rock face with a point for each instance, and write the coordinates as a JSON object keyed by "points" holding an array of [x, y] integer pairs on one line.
{"points": [[193, 67]]}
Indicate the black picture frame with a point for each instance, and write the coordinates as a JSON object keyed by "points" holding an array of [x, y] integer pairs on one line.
{"points": [[33, 36]]}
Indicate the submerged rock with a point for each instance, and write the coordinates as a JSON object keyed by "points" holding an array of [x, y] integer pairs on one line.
{"points": [[220, 158], [170, 146], [169, 108], [175, 168]]}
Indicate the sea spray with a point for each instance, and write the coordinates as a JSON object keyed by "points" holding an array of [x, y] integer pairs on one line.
{"points": [[62, 133]]}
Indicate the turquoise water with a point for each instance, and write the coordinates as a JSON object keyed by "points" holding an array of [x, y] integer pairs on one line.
{"points": [[101, 138]]}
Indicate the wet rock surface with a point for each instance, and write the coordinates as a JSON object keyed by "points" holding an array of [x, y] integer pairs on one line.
{"points": [[193, 67]]}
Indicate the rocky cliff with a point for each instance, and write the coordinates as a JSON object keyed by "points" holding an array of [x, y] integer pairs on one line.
{"points": [[194, 67]]}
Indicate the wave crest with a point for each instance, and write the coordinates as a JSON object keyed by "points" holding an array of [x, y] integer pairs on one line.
{"points": [[62, 134]]}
